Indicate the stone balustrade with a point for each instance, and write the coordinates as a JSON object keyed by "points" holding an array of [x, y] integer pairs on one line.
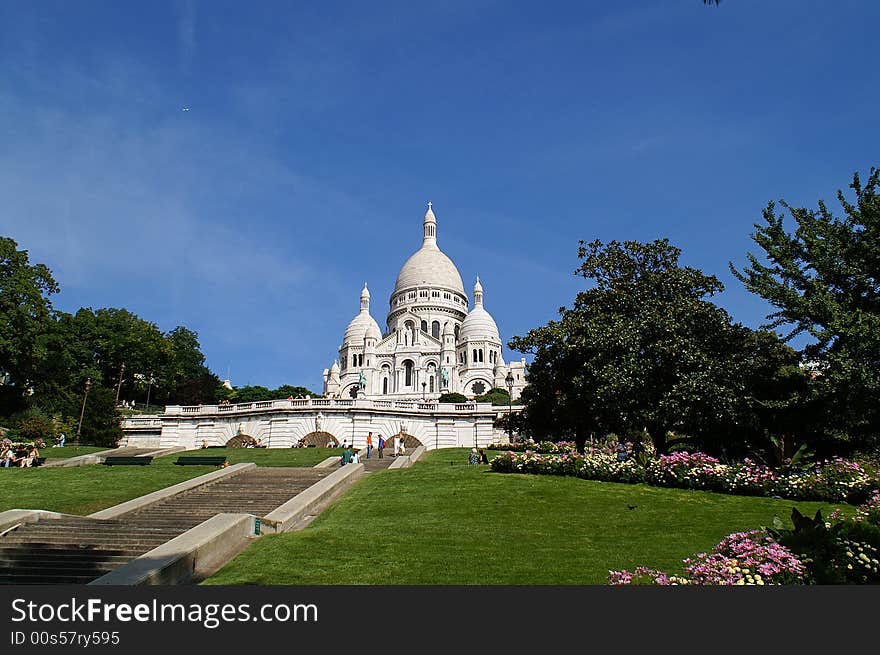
{"points": [[313, 403]]}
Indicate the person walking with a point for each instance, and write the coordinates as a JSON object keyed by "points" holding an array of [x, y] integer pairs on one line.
{"points": [[381, 445], [369, 445]]}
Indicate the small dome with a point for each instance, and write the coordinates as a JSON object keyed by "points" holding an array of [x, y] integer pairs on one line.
{"points": [[479, 324], [362, 324], [373, 331]]}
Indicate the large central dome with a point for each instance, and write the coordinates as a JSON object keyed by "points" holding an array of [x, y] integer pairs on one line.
{"points": [[429, 266]]}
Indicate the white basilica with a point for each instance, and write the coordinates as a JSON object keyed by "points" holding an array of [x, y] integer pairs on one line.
{"points": [[432, 344]]}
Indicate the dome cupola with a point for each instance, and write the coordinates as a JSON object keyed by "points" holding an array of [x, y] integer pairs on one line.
{"points": [[479, 325], [363, 324], [429, 266]]}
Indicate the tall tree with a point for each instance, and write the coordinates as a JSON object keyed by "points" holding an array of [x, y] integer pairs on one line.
{"points": [[823, 278], [25, 314], [644, 348]]}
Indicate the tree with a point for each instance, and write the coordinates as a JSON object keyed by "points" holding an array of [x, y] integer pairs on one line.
{"points": [[25, 314], [286, 390], [644, 349], [823, 278]]}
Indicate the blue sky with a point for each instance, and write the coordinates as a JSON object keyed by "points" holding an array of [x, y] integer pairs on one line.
{"points": [[318, 131]]}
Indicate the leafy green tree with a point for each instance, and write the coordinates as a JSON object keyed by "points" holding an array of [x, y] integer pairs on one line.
{"points": [[100, 425], [25, 314], [823, 278], [645, 348], [286, 390]]}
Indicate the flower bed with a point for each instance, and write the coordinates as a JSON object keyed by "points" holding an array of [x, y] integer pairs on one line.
{"points": [[742, 558], [548, 447], [838, 550], [831, 480]]}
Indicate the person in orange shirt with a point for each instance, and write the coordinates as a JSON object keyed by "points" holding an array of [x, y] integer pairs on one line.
{"points": [[369, 444]]}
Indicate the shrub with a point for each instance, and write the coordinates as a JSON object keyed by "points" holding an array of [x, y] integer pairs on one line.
{"points": [[452, 398]]}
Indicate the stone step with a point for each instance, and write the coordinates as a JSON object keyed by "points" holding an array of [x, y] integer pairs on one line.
{"points": [[60, 568], [108, 544]]}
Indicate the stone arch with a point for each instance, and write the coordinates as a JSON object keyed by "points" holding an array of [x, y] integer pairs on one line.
{"points": [[319, 439], [241, 440], [409, 442]]}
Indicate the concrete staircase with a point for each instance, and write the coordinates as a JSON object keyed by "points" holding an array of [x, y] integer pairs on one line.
{"points": [[79, 549]]}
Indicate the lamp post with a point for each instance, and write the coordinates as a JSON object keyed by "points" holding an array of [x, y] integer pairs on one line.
{"points": [[119, 386], [509, 381], [149, 388], [81, 414]]}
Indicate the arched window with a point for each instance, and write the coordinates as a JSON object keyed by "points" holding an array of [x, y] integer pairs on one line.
{"points": [[408, 373], [435, 329], [475, 356], [384, 385], [455, 329], [354, 361], [424, 326], [431, 384], [481, 354]]}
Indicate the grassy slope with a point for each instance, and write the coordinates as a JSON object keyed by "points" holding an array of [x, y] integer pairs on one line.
{"points": [[86, 489], [439, 523], [70, 451]]}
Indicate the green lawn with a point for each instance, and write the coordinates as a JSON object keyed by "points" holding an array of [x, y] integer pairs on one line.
{"points": [[86, 489], [266, 456], [443, 522], [69, 451]]}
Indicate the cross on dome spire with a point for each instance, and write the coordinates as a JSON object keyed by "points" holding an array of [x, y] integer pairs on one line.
{"points": [[430, 227], [478, 293]]}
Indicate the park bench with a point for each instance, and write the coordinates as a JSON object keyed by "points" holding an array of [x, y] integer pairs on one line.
{"points": [[127, 461], [201, 461]]}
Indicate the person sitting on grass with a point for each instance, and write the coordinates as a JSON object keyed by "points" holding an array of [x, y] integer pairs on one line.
{"points": [[473, 458], [28, 460], [483, 458], [8, 457]]}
